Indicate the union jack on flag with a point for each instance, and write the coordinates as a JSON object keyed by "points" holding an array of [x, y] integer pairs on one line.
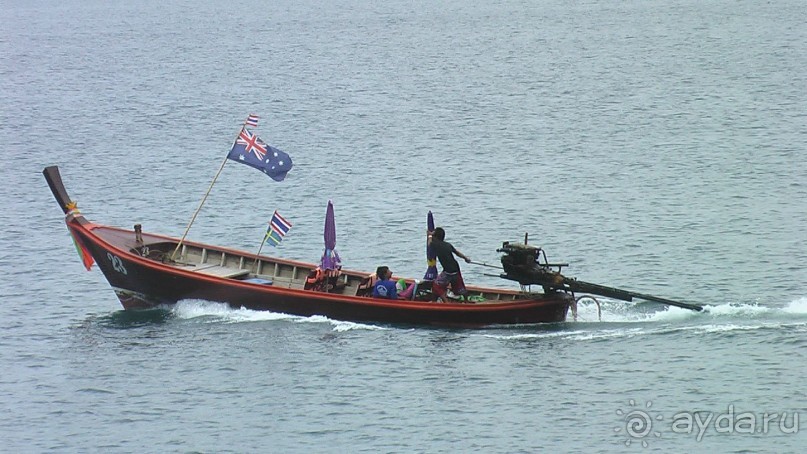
{"points": [[250, 150], [252, 120], [252, 143], [278, 227]]}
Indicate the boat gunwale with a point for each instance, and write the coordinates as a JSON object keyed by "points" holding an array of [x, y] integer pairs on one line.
{"points": [[489, 305]]}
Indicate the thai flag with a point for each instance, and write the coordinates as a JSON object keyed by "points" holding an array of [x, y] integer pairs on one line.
{"points": [[252, 120], [278, 227]]}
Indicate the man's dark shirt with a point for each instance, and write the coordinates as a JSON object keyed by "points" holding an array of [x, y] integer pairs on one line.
{"points": [[445, 253]]}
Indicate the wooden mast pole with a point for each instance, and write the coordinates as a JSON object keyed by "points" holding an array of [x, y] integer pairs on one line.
{"points": [[196, 213], [258, 254]]}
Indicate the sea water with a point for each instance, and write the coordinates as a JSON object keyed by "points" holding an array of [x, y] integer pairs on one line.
{"points": [[655, 146]]}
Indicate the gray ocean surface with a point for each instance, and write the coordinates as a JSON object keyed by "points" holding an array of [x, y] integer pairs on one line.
{"points": [[657, 146]]}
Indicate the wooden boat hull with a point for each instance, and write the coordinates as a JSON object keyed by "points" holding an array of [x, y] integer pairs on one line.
{"points": [[140, 281]]}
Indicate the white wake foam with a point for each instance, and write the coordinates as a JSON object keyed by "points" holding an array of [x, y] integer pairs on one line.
{"points": [[620, 312], [739, 310], [719, 318], [210, 312], [796, 307], [714, 319], [218, 312]]}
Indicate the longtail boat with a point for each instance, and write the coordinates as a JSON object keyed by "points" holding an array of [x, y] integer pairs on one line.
{"points": [[148, 270]]}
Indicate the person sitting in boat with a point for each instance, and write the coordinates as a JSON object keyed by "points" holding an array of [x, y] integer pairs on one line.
{"points": [[385, 287], [451, 274]]}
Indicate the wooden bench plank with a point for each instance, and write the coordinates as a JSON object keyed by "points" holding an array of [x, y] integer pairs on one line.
{"points": [[221, 271]]}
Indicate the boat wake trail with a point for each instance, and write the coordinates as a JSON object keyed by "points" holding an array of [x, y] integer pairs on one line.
{"points": [[619, 319], [620, 312], [627, 320], [211, 312], [797, 307]]}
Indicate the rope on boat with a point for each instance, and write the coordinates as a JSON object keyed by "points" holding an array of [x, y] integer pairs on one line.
{"points": [[72, 210], [582, 297]]}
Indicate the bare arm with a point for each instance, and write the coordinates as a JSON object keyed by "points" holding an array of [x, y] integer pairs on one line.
{"points": [[462, 256]]}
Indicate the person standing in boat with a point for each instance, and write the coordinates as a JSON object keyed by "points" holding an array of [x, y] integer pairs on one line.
{"points": [[384, 286], [451, 274]]}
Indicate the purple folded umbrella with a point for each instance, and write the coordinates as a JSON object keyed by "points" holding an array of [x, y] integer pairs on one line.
{"points": [[330, 258], [431, 258]]}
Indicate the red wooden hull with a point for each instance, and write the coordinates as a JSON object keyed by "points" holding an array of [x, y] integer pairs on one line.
{"points": [[141, 282]]}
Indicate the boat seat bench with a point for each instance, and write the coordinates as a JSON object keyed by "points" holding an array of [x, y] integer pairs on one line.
{"points": [[221, 271]]}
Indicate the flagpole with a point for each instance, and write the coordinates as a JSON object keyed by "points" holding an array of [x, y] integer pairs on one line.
{"points": [[193, 218], [257, 254]]}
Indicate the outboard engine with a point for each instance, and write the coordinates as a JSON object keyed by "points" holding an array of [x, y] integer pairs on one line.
{"points": [[522, 263]]}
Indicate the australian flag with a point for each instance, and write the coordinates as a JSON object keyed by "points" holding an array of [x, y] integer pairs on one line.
{"points": [[249, 149]]}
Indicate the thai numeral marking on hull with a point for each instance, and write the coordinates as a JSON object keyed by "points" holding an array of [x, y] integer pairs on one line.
{"points": [[117, 263]]}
